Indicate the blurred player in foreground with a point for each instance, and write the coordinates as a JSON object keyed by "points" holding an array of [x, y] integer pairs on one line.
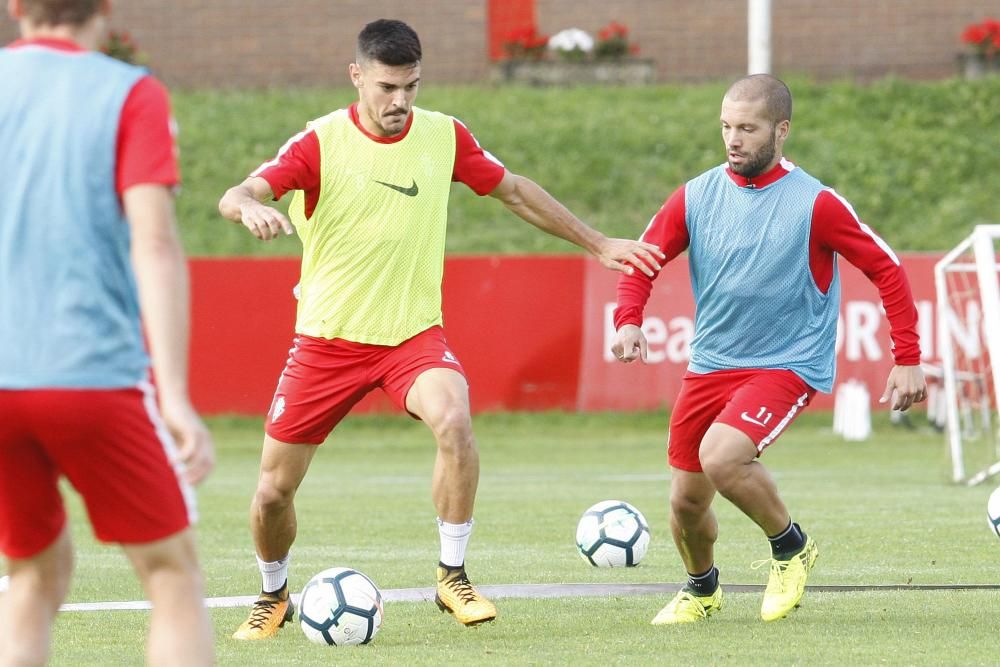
{"points": [[87, 236], [763, 238], [371, 189]]}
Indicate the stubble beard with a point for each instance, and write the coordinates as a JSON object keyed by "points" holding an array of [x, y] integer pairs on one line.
{"points": [[756, 162]]}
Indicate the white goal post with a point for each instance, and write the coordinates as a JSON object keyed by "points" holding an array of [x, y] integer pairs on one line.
{"points": [[968, 329]]}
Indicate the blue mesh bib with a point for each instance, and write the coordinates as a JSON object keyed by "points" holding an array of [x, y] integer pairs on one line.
{"points": [[757, 305]]}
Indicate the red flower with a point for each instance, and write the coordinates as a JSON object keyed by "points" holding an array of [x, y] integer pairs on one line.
{"points": [[984, 37], [538, 41], [119, 44], [525, 43], [975, 34], [612, 42]]}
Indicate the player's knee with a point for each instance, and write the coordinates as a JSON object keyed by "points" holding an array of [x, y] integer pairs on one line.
{"points": [[719, 466], [272, 497], [452, 427], [688, 507]]}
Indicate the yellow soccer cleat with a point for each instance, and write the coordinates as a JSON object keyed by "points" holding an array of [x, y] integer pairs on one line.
{"points": [[686, 607], [787, 582], [456, 595], [269, 614]]}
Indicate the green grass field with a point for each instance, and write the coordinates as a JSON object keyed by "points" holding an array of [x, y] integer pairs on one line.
{"points": [[914, 158], [882, 512]]}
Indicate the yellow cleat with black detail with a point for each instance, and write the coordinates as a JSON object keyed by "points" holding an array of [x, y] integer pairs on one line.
{"points": [[686, 607], [456, 595], [269, 614], [787, 581]]}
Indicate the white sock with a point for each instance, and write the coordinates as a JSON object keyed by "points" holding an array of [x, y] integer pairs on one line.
{"points": [[454, 539], [273, 574]]}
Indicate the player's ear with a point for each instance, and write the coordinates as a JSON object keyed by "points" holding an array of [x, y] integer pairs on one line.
{"points": [[354, 71], [14, 9], [783, 129]]}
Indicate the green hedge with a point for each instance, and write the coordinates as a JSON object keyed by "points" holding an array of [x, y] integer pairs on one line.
{"points": [[917, 159]]}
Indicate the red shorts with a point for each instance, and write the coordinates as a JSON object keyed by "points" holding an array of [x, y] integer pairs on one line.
{"points": [[323, 379], [759, 402], [112, 447]]}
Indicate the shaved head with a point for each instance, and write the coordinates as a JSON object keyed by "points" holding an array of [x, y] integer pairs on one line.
{"points": [[772, 91]]}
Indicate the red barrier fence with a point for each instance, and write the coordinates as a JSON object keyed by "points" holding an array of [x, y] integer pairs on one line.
{"points": [[532, 332]]}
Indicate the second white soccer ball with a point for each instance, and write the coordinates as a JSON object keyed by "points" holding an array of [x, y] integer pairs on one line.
{"points": [[612, 533], [340, 606], [993, 511]]}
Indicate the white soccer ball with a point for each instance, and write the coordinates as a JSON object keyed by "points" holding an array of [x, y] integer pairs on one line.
{"points": [[612, 533], [339, 607], [993, 511]]}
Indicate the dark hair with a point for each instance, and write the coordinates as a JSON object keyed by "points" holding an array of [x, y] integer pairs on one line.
{"points": [[60, 12], [389, 42], [774, 92]]}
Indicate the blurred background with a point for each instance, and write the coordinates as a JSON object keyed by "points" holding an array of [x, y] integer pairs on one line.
{"points": [[240, 43], [608, 104]]}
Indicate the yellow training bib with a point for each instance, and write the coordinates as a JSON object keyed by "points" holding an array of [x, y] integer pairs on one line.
{"points": [[373, 251]]}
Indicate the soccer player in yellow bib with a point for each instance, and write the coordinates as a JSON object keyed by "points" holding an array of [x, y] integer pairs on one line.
{"points": [[371, 185]]}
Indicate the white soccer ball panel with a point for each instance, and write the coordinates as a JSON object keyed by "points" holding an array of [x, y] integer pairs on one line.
{"points": [[587, 531], [640, 547], [993, 511], [340, 606], [621, 524], [612, 533]]}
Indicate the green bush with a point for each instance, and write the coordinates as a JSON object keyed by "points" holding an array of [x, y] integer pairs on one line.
{"points": [[915, 158]]}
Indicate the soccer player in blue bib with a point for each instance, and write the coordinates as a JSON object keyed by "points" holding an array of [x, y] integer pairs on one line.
{"points": [[763, 238], [87, 236]]}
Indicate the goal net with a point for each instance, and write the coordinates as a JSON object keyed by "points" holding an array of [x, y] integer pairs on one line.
{"points": [[968, 326]]}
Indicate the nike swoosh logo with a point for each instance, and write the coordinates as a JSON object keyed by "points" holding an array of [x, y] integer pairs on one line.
{"points": [[409, 192], [747, 418]]}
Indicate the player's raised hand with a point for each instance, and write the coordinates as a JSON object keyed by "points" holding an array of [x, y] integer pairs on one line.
{"points": [[908, 384], [195, 450], [264, 222], [629, 344], [626, 255], [243, 203]]}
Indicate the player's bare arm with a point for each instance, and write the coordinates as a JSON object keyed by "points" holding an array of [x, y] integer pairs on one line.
{"points": [[162, 279], [534, 205], [629, 344], [908, 385], [243, 203]]}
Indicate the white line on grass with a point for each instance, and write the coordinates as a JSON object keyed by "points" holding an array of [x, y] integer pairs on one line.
{"points": [[537, 591]]}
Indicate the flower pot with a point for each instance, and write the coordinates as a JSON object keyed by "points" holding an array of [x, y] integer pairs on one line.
{"points": [[976, 65], [625, 72]]}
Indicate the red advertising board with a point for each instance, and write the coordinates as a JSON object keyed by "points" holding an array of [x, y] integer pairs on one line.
{"points": [[532, 332], [863, 346]]}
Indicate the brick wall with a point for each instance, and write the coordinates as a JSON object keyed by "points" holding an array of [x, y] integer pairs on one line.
{"points": [[259, 43], [853, 38]]}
